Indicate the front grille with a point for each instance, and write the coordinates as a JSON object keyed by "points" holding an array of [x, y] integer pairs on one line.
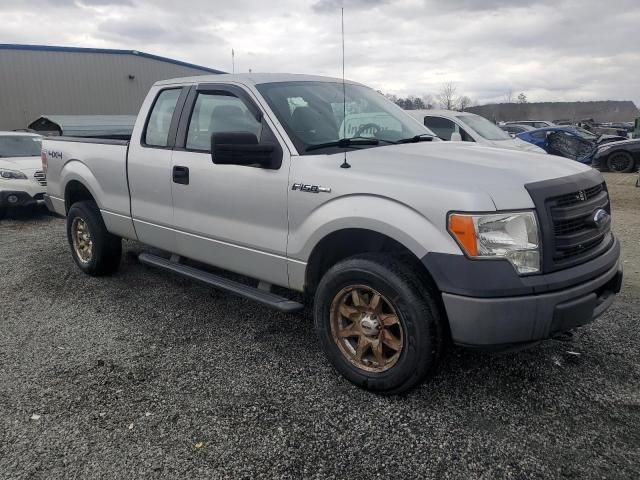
{"points": [[566, 208], [41, 178], [575, 234], [574, 197]]}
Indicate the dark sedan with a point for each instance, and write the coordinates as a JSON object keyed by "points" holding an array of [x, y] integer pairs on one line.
{"points": [[622, 157]]}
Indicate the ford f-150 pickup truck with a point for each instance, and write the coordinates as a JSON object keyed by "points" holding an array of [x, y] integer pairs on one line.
{"points": [[402, 243]]}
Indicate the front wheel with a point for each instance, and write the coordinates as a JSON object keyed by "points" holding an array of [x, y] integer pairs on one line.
{"points": [[620, 162], [378, 323], [94, 249]]}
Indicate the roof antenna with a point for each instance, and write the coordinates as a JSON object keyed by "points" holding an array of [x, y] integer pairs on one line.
{"points": [[345, 164]]}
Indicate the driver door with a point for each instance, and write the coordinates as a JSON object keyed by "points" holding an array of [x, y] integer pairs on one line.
{"points": [[230, 216]]}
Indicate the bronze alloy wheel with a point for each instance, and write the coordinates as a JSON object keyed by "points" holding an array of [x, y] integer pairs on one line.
{"points": [[82, 243], [366, 328]]}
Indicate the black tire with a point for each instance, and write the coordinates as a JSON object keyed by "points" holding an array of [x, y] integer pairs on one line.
{"points": [[3, 212], [620, 162], [415, 304], [106, 248]]}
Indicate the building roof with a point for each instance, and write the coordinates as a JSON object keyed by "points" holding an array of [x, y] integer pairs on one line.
{"points": [[12, 133], [108, 51], [85, 125]]}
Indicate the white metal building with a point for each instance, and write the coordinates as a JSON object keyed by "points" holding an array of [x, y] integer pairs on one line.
{"points": [[37, 79]]}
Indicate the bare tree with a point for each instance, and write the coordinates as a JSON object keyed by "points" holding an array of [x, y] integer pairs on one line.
{"points": [[464, 102], [447, 96], [508, 96], [522, 98]]}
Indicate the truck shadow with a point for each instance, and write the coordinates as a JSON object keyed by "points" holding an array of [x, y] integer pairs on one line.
{"points": [[37, 213]]}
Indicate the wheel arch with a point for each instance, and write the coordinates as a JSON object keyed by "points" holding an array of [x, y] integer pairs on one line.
{"points": [[75, 191], [347, 242], [79, 184]]}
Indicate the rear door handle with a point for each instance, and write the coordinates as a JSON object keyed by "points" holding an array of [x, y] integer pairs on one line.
{"points": [[181, 175]]}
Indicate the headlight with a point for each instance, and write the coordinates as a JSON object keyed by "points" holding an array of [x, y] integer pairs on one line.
{"points": [[12, 175], [513, 236]]}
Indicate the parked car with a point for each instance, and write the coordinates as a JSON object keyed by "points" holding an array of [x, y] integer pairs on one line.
{"points": [[532, 123], [597, 139], [515, 129], [622, 157], [469, 127], [22, 181], [402, 241], [623, 128], [561, 141], [602, 129]]}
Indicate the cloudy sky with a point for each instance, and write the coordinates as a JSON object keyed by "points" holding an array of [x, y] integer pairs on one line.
{"points": [[549, 49]]}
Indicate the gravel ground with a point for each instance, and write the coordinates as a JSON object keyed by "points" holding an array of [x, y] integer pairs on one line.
{"points": [[145, 375]]}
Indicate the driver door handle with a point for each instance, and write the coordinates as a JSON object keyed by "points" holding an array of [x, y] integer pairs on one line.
{"points": [[181, 175]]}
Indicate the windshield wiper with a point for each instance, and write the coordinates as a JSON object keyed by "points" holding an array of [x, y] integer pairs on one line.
{"points": [[423, 137], [344, 143]]}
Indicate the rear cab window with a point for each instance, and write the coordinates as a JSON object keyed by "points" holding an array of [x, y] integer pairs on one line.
{"points": [[156, 133]]}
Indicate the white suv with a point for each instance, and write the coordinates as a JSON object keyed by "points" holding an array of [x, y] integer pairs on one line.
{"points": [[469, 127], [22, 181]]}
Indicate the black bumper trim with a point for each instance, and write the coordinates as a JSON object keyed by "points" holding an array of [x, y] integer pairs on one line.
{"points": [[24, 199], [459, 275]]}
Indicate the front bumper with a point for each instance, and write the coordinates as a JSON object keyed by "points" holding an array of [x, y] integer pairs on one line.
{"points": [[543, 307], [16, 198]]}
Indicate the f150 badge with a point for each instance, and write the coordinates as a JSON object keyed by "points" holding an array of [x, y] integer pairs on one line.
{"points": [[310, 188]]}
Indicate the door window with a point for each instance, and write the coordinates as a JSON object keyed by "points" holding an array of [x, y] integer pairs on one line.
{"points": [[157, 131], [216, 113], [442, 127]]}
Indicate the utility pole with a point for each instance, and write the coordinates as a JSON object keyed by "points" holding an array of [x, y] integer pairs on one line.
{"points": [[233, 61]]}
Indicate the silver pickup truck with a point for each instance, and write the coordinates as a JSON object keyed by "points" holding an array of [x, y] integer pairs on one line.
{"points": [[402, 243]]}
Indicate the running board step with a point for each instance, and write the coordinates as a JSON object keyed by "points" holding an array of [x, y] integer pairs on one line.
{"points": [[266, 298]]}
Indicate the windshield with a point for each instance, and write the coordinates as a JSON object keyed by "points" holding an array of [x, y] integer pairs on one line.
{"points": [[484, 127], [313, 113], [20, 146]]}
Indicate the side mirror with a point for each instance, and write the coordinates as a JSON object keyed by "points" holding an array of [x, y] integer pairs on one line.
{"points": [[240, 148], [456, 137]]}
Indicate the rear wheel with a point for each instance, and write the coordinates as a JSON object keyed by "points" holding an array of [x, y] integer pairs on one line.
{"points": [[3, 212], [94, 249], [378, 323], [620, 162]]}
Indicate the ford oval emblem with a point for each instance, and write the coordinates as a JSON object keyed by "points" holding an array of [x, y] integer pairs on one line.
{"points": [[600, 217]]}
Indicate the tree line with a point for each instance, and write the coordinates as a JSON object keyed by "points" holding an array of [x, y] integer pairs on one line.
{"points": [[447, 98]]}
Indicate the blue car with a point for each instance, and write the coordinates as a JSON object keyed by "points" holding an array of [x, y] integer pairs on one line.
{"points": [[574, 143]]}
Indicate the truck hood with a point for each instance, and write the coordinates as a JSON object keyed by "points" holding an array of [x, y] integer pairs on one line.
{"points": [[21, 163], [500, 173]]}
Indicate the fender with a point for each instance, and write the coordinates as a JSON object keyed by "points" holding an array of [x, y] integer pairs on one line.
{"points": [[113, 204], [381, 214], [76, 170]]}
